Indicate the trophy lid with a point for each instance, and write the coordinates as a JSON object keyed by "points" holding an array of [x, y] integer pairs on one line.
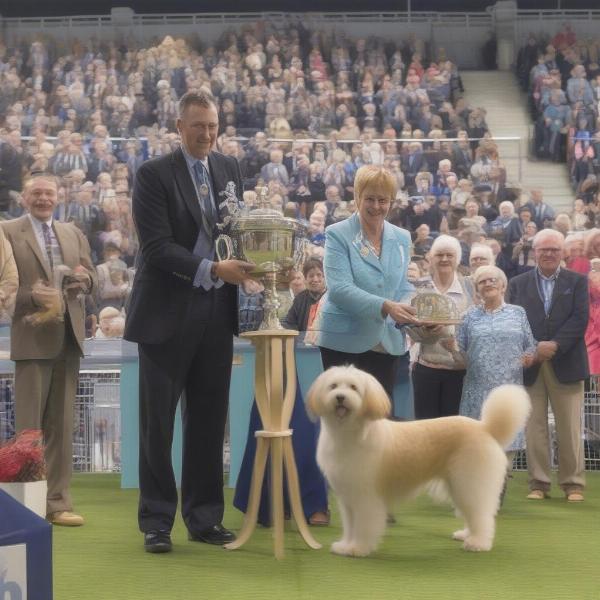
{"points": [[435, 309], [266, 217]]}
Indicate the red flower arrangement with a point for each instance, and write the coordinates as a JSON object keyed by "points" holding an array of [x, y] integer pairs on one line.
{"points": [[22, 458]]}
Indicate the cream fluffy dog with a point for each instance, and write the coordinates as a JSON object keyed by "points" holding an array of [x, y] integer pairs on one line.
{"points": [[370, 461]]}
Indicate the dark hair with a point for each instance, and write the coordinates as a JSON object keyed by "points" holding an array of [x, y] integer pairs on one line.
{"points": [[201, 98], [312, 262]]}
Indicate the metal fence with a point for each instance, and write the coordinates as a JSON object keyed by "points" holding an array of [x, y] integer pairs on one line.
{"points": [[97, 423], [96, 419]]}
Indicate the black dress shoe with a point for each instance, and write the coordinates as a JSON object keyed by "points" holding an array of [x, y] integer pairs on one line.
{"points": [[216, 534], [157, 541]]}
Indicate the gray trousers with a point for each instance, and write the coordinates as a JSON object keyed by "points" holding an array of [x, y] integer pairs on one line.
{"points": [[44, 397]]}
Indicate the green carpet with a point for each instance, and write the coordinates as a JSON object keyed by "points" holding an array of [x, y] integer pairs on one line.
{"points": [[544, 550]]}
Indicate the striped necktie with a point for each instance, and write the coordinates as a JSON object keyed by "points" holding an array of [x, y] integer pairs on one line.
{"points": [[205, 196], [48, 244]]}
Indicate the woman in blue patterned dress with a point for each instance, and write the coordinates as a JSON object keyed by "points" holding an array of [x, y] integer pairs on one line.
{"points": [[497, 342]]}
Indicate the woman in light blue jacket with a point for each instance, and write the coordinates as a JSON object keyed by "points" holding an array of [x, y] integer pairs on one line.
{"points": [[366, 260]]}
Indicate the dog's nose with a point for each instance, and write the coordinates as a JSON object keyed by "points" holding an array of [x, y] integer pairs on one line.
{"points": [[340, 398]]}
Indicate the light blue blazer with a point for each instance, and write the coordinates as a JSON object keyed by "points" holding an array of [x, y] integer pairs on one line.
{"points": [[358, 282]]}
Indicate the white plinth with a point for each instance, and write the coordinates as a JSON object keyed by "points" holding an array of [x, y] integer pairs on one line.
{"points": [[31, 494]]}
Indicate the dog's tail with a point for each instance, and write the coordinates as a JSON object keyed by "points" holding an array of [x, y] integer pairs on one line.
{"points": [[505, 411]]}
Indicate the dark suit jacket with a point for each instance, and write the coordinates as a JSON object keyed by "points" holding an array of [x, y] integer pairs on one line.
{"points": [[168, 220], [565, 324], [411, 170], [545, 217], [461, 165]]}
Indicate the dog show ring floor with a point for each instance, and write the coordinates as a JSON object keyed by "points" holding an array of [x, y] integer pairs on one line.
{"points": [[544, 550]]}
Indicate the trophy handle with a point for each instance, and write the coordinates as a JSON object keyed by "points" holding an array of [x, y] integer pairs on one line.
{"points": [[299, 254], [224, 242]]}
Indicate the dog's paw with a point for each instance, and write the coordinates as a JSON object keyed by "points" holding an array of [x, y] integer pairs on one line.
{"points": [[346, 549], [360, 551], [460, 535], [473, 544], [341, 548]]}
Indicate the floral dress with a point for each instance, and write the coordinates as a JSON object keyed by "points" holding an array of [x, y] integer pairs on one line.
{"points": [[494, 343]]}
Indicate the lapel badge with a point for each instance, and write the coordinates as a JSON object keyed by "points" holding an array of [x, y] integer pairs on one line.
{"points": [[364, 251]]}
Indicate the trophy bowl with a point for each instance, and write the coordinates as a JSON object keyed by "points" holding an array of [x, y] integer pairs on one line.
{"points": [[274, 243], [435, 309]]}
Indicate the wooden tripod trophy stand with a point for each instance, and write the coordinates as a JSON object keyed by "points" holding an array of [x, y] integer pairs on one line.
{"points": [[275, 407]]}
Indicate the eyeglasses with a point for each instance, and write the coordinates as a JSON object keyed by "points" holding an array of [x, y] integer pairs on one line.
{"points": [[488, 280], [548, 250]]}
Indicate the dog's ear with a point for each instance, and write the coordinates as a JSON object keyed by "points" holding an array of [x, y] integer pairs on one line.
{"points": [[376, 404], [314, 407]]}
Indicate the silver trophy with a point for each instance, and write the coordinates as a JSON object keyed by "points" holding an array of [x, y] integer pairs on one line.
{"points": [[274, 243]]}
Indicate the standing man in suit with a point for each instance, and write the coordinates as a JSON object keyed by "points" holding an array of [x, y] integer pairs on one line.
{"points": [[413, 162], [556, 302], [541, 213], [47, 353], [183, 314]]}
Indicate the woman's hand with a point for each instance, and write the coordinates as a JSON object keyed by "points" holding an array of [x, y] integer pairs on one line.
{"points": [[449, 344], [527, 360], [399, 312]]}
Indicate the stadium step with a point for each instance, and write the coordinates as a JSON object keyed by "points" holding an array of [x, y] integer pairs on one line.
{"points": [[508, 116]]}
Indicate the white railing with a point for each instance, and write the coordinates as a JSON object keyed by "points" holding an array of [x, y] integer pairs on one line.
{"points": [[548, 22], [466, 19], [461, 34]]}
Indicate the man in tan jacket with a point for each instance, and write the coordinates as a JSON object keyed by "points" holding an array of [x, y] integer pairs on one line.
{"points": [[48, 331]]}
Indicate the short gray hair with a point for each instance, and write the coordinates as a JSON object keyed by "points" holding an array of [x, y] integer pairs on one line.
{"points": [[490, 271], [447, 242], [199, 98], [482, 250], [507, 204], [544, 234]]}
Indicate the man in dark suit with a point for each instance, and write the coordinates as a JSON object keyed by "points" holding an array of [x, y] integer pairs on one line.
{"points": [[462, 156], [556, 302], [541, 213], [183, 315], [413, 162]]}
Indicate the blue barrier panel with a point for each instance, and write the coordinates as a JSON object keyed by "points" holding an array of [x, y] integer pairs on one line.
{"points": [[25, 553]]}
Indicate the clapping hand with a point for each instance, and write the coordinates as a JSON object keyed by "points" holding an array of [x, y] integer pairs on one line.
{"points": [[44, 296], [50, 305], [77, 282]]}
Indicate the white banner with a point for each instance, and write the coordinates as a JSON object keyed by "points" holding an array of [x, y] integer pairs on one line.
{"points": [[13, 572]]}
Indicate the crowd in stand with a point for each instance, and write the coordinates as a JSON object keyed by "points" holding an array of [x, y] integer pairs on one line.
{"points": [[301, 110], [562, 76]]}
